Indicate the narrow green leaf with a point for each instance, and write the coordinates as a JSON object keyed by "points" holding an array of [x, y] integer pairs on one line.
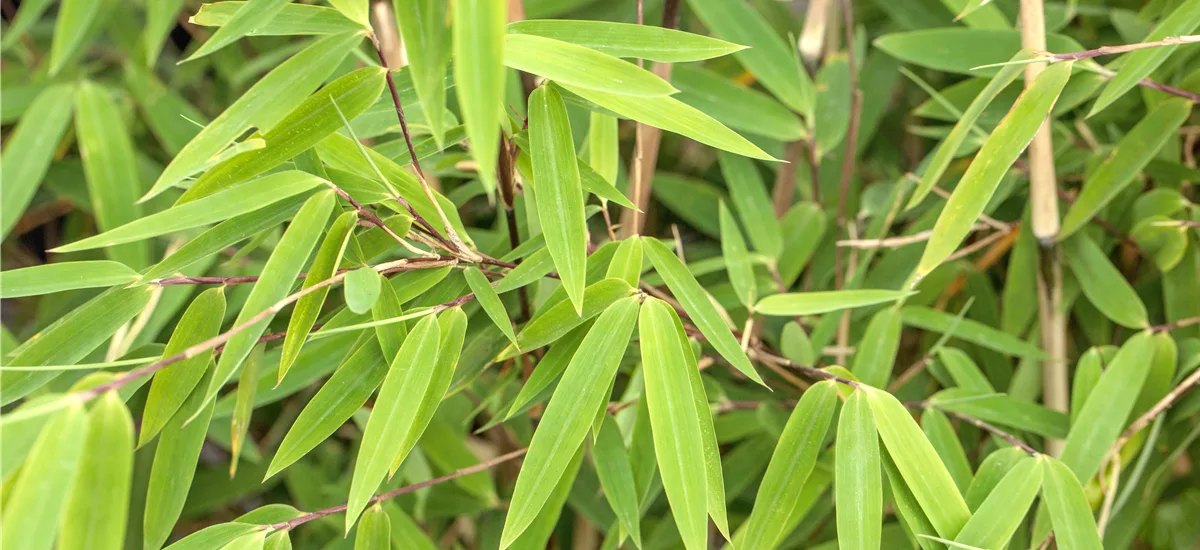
{"points": [[246, 197], [250, 15], [737, 260], [752, 204], [1126, 161], [490, 301], [556, 321], [1004, 410], [39, 495], [964, 371], [244, 405], [993, 469], [696, 303], [1103, 284], [875, 353], [77, 23], [533, 268], [812, 303], [676, 428], [582, 67], [537, 536], [29, 149], [362, 287], [803, 228], [1069, 509], [110, 168], [172, 385], [968, 329], [918, 463], [478, 46], [616, 477], [1139, 64], [997, 518], [604, 145], [994, 159], [957, 49], [254, 540], [423, 27], [768, 57], [585, 386], [160, 19], [161, 106], [262, 106], [626, 262], [942, 436], [31, 12], [354, 10], [858, 493], [548, 370], [62, 276], [173, 468], [214, 537], [649, 42], [293, 19], [915, 522], [831, 118], [99, 501], [739, 107], [374, 531], [407, 380]]}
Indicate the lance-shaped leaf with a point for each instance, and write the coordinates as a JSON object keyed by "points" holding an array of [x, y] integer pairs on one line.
{"points": [[589, 179], [246, 197], [31, 510], [61, 276], [29, 149], [324, 264], [790, 466], [277, 278], [243, 406], [1103, 284], [560, 198], [675, 425], [374, 531], [173, 468], [998, 153], [490, 301], [968, 329], [616, 477], [254, 540], [354, 10], [585, 386], [858, 493], [696, 303], [407, 381], [76, 24], [626, 262], [672, 115], [768, 57], [250, 15], [997, 518], [918, 463], [548, 370], [949, 147], [1139, 64], [1126, 161], [742, 108], [556, 321], [479, 74], [262, 106], [160, 19], [110, 168], [831, 117], [1003, 410], [1069, 509], [537, 536], [172, 385], [423, 26], [390, 337], [1107, 408], [70, 339], [752, 204], [649, 42], [604, 143], [945, 441], [361, 289], [99, 501], [30, 13], [812, 303], [737, 260], [875, 353], [990, 472], [582, 67], [293, 19], [532, 268], [310, 122]]}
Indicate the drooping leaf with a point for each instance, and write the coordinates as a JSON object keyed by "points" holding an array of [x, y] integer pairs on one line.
{"points": [[737, 260], [250, 15], [812, 303], [29, 149], [173, 468], [556, 321], [294, 18], [40, 494], [616, 477], [752, 204], [859, 490], [62, 276], [479, 74], [581, 67], [1069, 509], [941, 435], [961, 50], [423, 26], [1137, 65], [649, 42], [490, 301], [875, 353], [244, 405], [374, 531], [1103, 284], [99, 500], [1001, 513]]}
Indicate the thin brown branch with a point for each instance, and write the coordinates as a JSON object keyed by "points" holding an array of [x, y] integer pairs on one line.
{"points": [[784, 192], [1011, 439]]}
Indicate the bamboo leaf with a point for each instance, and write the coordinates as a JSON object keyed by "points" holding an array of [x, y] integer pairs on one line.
{"points": [[29, 149], [354, 10], [1139, 64], [626, 262], [407, 380], [293, 19], [423, 27], [1003, 410], [32, 509], [831, 118], [374, 531], [478, 46], [616, 477], [604, 144], [99, 500], [998, 153], [859, 489], [696, 303], [676, 428], [1069, 509], [172, 385], [490, 301], [790, 466], [533, 268], [752, 204], [1001, 513], [945, 441], [560, 198], [362, 288], [964, 371], [554, 322], [548, 370], [62, 276], [1103, 284], [173, 468], [875, 353], [649, 42], [243, 407], [77, 22], [246, 18], [962, 50], [918, 463], [160, 19], [254, 540], [737, 260], [582, 67], [812, 303], [31, 12], [968, 329], [741, 108], [1131, 155]]}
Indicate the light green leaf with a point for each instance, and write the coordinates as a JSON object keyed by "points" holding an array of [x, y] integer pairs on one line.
{"points": [[249, 16], [174, 466], [62, 276], [964, 371], [172, 385], [672, 115], [942, 436], [831, 119], [490, 301], [676, 428], [1126, 161], [537, 536], [266, 103], [163, 107], [803, 228], [278, 540], [791, 464], [240, 199], [423, 27], [752, 204], [738, 107], [479, 74], [962, 50], [548, 370], [768, 57], [1003, 410], [875, 353], [994, 159], [40, 493], [997, 518], [243, 406], [160, 19], [31, 12], [604, 145], [993, 469], [77, 23], [795, 344], [968, 329], [29, 149], [354, 10], [649, 42], [110, 168], [407, 381], [293, 19], [585, 386], [1139, 64], [374, 531], [99, 501], [560, 198], [276, 280], [626, 262], [213, 537], [309, 123], [812, 303], [1103, 284], [858, 494], [696, 303], [250, 541], [918, 463], [737, 260], [1069, 509], [616, 477], [534, 267], [324, 264], [556, 321], [362, 288], [582, 67]]}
